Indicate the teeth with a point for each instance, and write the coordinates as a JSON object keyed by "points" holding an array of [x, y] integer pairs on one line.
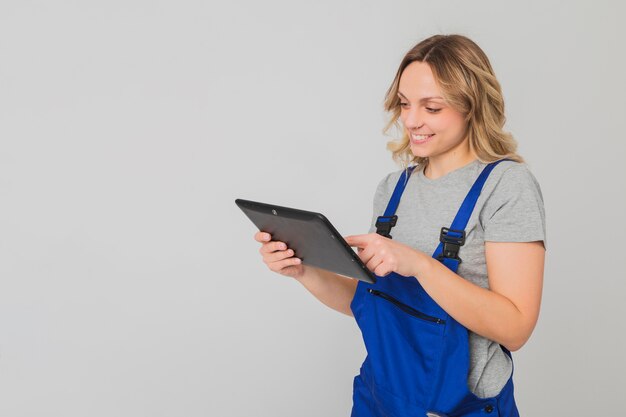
{"points": [[420, 137]]}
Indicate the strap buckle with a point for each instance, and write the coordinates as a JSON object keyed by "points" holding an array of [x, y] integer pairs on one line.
{"points": [[452, 241], [384, 225]]}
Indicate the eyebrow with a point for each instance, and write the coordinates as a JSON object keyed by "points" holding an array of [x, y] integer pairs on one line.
{"points": [[423, 98]]}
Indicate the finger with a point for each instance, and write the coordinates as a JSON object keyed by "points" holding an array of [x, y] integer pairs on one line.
{"points": [[285, 263], [382, 270], [357, 240], [373, 263], [262, 237], [270, 247], [382, 265], [366, 254], [278, 256]]}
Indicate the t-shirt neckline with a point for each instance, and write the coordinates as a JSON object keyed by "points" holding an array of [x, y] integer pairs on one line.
{"points": [[450, 175]]}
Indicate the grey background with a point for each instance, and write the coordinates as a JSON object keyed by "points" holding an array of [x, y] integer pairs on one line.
{"points": [[129, 281]]}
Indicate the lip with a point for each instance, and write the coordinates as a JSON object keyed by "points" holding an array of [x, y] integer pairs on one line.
{"points": [[421, 142]]}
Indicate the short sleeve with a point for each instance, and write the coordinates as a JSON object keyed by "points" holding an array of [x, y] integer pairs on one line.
{"points": [[382, 195], [514, 212]]}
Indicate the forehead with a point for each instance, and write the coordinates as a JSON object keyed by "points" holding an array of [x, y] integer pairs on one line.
{"points": [[417, 80]]}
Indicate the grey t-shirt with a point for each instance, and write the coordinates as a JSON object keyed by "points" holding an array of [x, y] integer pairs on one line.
{"points": [[509, 209]]}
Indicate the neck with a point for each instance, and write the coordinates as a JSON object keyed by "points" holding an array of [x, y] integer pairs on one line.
{"points": [[443, 164]]}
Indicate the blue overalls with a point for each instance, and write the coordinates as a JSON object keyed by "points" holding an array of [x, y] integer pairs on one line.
{"points": [[417, 360]]}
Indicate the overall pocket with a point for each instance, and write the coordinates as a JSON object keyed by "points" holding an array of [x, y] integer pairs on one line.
{"points": [[404, 347], [406, 308]]}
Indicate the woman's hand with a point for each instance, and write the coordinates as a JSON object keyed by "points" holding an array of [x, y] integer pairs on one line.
{"points": [[383, 256], [278, 257]]}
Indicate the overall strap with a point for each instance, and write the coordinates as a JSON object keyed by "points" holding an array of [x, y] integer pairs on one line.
{"points": [[385, 222], [452, 238]]}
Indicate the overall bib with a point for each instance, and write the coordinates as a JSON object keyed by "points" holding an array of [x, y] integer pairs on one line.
{"points": [[417, 360]]}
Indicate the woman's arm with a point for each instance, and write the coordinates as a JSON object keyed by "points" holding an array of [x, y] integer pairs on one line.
{"points": [[506, 313], [332, 289]]}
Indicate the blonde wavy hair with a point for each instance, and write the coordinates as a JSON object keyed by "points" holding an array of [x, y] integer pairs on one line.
{"points": [[469, 85]]}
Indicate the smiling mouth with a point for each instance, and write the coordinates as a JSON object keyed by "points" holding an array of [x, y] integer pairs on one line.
{"points": [[420, 138]]}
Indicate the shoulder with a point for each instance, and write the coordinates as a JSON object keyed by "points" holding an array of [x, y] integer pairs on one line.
{"points": [[509, 179], [512, 208], [388, 182], [511, 171], [385, 189]]}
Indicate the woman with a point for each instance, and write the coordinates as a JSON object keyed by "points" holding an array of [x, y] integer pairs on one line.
{"points": [[439, 327]]}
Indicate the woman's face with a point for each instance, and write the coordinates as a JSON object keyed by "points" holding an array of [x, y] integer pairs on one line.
{"points": [[435, 129]]}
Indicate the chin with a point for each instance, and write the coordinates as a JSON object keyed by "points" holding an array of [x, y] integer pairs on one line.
{"points": [[420, 153]]}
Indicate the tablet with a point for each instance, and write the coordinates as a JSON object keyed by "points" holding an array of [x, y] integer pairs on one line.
{"points": [[310, 235]]}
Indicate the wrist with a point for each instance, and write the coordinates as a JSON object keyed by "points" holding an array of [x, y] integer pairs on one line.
{"points": [[421, 264], [307, 274]]}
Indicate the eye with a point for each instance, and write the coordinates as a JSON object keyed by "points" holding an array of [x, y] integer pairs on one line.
{"points": [[403, 104], [432, 110]]}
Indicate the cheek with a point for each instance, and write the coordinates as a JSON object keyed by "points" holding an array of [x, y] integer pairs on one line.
{"points": [[450, 123], [403, 118]]}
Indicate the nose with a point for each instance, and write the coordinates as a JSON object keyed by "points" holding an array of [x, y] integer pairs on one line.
{"points": [[412, 119]]}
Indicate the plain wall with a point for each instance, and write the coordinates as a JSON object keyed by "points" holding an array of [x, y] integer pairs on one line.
{"points": [[130, 284]]}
